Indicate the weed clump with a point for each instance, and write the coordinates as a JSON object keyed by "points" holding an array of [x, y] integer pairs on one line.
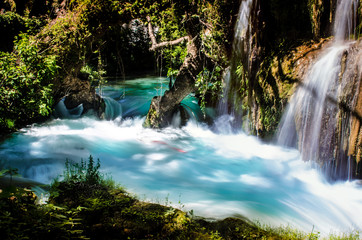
{"points": [[81, 181]]}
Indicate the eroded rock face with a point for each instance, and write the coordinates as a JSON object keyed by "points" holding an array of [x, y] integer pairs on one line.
{"points": [[277, 79], [348, 150], [334, 139]]}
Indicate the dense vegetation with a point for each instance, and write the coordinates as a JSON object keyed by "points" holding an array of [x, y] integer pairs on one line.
{"points": [[26, 87], [97, 36], [85, 204], [72, 40]]}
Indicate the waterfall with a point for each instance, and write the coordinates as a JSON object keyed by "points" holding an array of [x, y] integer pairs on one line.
{"points": [[240, 57], [310, 120], [224, 103], [345, 20], [242, 27], [223, 123], [309, 104]]}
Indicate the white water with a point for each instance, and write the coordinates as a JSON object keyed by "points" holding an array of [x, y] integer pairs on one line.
{"points": [[309, 108], [215, 174], [240, 55], [345, 20], [308, 104], [242, 27]]}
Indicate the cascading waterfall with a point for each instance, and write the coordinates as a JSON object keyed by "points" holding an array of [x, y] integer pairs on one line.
{"points": [[308, 105], [310, 119], [242, 27], [345, 20], [229, 113]]}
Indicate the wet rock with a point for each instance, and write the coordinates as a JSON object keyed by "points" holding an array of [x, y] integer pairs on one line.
{"points": [[77, 91]]}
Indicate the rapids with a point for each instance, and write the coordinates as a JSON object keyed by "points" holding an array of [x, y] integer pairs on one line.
{"points": [[213, 172]]}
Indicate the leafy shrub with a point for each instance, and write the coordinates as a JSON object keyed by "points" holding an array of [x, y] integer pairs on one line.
{"points": [[25, 84], [208, 85], [80, 182], [83, 172]]}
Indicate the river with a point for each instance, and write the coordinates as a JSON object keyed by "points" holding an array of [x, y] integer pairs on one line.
{"points": [[208, 169]]}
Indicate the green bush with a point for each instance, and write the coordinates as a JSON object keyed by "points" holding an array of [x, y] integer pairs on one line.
{"points": [[25, 84], [87, 172], [80, 182]]}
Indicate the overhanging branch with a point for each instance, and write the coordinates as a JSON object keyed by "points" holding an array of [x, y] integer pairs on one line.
{"points": [[156, 45]]}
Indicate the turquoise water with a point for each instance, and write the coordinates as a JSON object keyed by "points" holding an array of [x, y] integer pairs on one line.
{"points": [[135, 96], [214, 173]]}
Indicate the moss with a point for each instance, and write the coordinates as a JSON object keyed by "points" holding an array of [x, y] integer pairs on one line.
{"points": [[110, 214], [152, 119], [359, 23], [278, 75]]}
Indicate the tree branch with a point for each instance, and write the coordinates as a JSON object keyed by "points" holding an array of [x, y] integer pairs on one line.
{"points": [[156, 45]]}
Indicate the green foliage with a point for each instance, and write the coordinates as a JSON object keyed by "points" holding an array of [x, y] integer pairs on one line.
{"points": [[354, 235], [214, 37], [26, 84], [22, 218], [169, 27], [95, 76], [287, 232], [215, 17], [243, 85], [208, 85], [174, 56], [86, 172], [77, 30], [81, 181], [12, 24], [290, 233], [170, 21]]}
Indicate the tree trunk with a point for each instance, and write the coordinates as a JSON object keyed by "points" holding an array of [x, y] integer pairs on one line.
{"points": [[163, 107]]}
